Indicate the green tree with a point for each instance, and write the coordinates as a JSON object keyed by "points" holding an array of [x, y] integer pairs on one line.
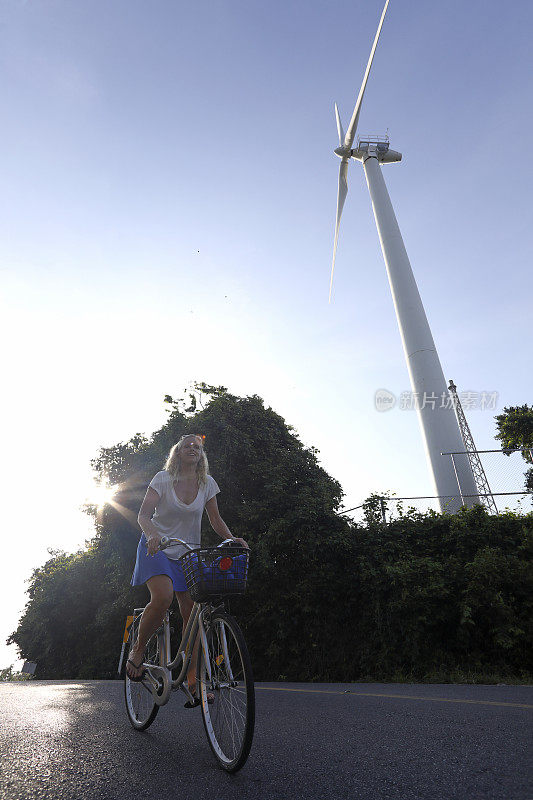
{"points": [[515, 430]]}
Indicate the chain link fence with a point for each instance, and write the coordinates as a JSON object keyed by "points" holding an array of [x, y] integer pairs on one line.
{"points": [[508, 474]]}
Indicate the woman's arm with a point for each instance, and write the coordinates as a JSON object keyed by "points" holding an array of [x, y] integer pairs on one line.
{"points": [[144, 519], [218, 524]]}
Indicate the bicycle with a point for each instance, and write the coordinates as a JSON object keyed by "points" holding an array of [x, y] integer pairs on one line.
{"points": [[223, 667]]}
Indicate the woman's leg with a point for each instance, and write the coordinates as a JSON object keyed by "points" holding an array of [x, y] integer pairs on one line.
{"points": [[161, 594], [186, 604]]}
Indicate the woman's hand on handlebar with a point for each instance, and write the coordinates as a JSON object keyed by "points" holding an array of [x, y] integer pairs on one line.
{"points": [[152, 545], [241, 542]]}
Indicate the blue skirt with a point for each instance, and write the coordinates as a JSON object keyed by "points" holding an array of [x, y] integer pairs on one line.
{"points": [[147, 566]]}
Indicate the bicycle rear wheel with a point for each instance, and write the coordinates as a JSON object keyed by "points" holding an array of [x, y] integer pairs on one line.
{"points": [[229, 721], [140, 704]]}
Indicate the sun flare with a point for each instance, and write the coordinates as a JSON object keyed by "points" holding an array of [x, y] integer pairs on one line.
{"points": [[100, 494]]}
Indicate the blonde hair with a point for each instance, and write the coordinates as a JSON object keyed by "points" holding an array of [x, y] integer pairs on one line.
{"points": [[173, 464]]}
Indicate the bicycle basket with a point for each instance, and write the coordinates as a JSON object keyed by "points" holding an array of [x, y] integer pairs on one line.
{"points": [[215, 571]]}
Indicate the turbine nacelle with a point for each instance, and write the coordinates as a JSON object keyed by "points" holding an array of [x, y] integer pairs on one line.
{"points": [[365, 150], [375, 149]]}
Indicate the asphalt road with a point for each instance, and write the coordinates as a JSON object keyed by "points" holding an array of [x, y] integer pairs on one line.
{"points": [[69, 740]]}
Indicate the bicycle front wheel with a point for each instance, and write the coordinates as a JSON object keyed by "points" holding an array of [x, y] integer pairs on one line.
{"points": [[140, 704], [229, 720]]}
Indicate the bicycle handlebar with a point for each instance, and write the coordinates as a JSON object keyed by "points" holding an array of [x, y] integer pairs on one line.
{"points": [[167, 541]]}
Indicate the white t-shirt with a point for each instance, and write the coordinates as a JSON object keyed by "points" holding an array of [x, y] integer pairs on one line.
{"points": [[174, 518]]}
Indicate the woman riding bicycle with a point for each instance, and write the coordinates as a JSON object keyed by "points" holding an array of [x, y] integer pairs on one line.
{"points": [[173, 506]]}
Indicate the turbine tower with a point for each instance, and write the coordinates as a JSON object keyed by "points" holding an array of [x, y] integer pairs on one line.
{"points": [[437, 418]]}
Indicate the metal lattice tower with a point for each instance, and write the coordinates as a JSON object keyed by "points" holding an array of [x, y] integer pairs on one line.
{"points": [[485, 494]]}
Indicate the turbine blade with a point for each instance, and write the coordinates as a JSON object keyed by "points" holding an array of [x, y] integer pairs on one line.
{"points": [[341, 197], [339, 126], [352, 127]]}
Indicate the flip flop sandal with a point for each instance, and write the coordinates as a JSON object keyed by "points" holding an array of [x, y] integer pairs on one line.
{"points": [[197, 701], [136, 678]]}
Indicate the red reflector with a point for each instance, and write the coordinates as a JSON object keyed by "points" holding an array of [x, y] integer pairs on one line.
{"points": [[225, 563]]}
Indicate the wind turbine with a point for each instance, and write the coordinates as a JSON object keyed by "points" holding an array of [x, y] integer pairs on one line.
{"points": [[440, 430]]}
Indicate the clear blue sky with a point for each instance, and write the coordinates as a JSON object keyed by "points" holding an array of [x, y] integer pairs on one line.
{"points": [[167, 210]]}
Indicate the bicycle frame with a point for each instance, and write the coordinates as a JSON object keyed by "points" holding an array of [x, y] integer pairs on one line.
{"points": [[159, 677]]}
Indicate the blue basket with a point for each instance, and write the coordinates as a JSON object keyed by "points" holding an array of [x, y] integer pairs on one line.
{"points": [[215, 572]]}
